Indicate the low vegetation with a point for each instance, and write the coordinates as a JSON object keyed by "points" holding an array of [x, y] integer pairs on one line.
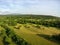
{"points": [[29, 30]]}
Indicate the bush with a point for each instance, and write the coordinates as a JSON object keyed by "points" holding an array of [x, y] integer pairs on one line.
{"points": [[37, 26], [6, 40], [56, 37]]}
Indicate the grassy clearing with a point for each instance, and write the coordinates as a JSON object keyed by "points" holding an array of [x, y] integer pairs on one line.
{"points": [[10, 38], [29, 30], [43, 29], [31, 37]]}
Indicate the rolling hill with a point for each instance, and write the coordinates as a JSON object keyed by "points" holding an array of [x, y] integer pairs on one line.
{"points": [[29, 30]]}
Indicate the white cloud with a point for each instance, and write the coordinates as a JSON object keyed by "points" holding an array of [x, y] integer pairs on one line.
{"points": [[30, 6]]}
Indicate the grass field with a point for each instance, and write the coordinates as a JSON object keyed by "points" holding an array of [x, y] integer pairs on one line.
{"points": [[26, 30], [33, 38]]}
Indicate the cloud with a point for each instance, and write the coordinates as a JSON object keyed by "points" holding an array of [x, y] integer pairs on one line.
{"points": [[30, 6]]}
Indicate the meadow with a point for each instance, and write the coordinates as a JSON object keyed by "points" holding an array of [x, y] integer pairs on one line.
{"points": [[29, 30]]}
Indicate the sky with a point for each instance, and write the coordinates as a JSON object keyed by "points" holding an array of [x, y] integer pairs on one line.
{"points": [[42, 7]]}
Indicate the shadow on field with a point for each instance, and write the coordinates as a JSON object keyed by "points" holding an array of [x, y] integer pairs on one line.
{"points": [[54, 38]]}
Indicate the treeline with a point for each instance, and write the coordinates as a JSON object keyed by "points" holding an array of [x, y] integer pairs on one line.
{"points": [[54, 38], [34, 19], [9, 36], [45, 23]]}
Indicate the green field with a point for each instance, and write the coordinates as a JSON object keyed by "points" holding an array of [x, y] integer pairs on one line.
{"points": [[29, 30]]}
